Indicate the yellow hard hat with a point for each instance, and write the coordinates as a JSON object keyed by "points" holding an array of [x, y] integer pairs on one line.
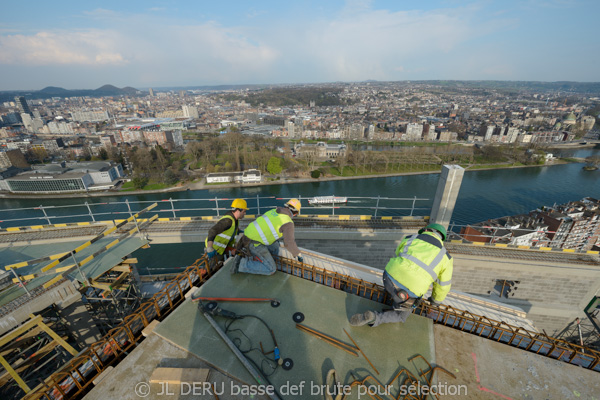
{"points": [[239, 203], [294, 205]]}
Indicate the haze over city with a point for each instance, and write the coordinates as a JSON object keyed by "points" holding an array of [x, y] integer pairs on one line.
{"points": [[160, 43]]}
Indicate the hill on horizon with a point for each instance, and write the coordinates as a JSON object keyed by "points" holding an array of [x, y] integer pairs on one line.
{"points": [[55, 91]]}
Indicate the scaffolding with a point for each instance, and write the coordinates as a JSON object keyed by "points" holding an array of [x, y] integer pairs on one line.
{"points": [[114, 295], [33, 351]]}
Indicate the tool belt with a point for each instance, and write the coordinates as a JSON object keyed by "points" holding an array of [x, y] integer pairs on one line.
{"points": [[410, 303], [242, 246]]}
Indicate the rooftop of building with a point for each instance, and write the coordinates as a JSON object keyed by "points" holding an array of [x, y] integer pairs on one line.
{"points": [[395, 352]]}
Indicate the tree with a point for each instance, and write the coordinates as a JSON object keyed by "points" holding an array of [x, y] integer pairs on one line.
{"points": [[194, 150], [170, 177], [139, 181], [274, 166], [87, 154], [103, 154], [232, 140], [341, 162], [115, 155], [316, 174], [593, 161]]}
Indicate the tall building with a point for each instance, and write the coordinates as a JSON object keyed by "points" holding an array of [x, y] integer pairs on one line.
{"points": [[90, 116], [414, 131], [487, 131], [151, 92], [22, 104], [190, 112]]}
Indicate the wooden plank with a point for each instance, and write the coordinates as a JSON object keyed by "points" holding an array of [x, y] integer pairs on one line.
{"points": [[130, 261], [52, 281], [57, 338], [14, 375], [150, 328], [103, 375], [15, 333], [178, 375]]}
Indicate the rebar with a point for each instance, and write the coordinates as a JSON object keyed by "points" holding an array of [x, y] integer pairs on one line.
{"points": [[328, 339], [458, 319], [361, 352]]}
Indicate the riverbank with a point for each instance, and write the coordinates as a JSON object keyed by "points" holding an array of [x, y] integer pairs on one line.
{"points": [[203, 186]]}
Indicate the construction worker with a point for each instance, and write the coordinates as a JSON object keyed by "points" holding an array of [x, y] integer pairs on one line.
{"points": [[221, 237], [420, 260], [260, 241]]}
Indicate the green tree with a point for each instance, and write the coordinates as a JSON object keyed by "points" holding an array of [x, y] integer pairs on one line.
{"points": [[316, 174], [170, 177], [103, 154], [274, 166], [139, 181]]}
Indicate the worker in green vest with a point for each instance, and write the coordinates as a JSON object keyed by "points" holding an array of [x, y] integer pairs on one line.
{"points": [[220, 241], [260, 241], [420, 260]]}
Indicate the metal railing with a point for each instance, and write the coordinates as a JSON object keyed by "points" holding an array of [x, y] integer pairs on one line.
{"points": [[175, 208], [465, 321], [493, 234]]}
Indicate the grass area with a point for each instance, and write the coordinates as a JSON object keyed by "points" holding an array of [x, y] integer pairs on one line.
{"points": [[494, 166], [392, 169], [156, 186], [571, 160], [128, 186]]}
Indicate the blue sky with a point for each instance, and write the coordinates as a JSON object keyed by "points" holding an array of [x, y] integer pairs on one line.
{"points": [[85, 44]]}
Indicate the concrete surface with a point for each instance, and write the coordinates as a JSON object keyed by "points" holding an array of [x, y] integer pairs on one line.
{"points": [[491, 370], [187, 328]]}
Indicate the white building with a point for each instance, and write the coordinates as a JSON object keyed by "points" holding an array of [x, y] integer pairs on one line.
{"points": [[249, 176], [414, 131], [66, 178], [90, 116], [190, 112]]}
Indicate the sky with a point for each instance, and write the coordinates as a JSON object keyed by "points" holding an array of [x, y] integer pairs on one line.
{"points": [[166, 43]]}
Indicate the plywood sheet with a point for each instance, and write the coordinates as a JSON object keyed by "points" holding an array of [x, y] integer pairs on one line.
{"points": [[326, 309]]}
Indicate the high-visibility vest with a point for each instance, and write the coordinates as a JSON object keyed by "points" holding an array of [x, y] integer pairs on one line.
{"points": [[222, 239], [420, 261], [265, 229]]}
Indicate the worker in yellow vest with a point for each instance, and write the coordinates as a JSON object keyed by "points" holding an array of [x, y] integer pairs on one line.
{"points": [[221, 237], [420, 260], [260, 241]]}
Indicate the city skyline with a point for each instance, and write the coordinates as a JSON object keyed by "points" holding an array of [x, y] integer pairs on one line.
{"points": [[164, 44]]}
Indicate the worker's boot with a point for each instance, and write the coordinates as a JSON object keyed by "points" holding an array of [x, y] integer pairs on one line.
{"points": [[368, 317]]}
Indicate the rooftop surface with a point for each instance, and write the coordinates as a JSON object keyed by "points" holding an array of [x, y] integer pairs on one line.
{"points": [[483, 369]]}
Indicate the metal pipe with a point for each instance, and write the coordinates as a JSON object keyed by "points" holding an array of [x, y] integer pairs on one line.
{"points": [[20, 281], [90, 210], [255, 374], [243, 299], [45, 214]]}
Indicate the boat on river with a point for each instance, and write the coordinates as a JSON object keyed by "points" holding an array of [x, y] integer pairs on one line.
{"points": [[327, 200]]}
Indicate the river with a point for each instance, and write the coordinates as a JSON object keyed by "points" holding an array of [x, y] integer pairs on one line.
{"points": [[483, 195]]}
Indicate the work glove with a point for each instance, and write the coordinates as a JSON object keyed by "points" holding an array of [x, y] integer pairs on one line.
{"points": [[433, 302], [211, 253], [300, 258]]}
